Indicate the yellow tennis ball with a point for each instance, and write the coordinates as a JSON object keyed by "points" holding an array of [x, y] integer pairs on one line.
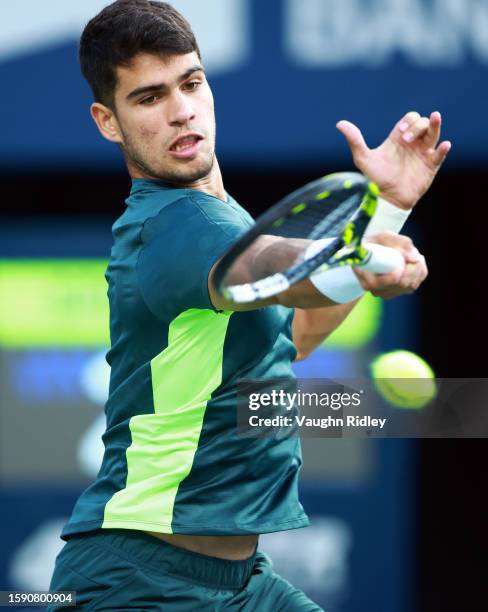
{"points": [[404, 379]]}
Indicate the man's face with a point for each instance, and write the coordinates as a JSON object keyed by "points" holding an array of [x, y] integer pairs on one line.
{"points": [[165, 113]]}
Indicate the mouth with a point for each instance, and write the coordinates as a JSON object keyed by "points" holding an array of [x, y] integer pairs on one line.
{"points": [[187, 145]]}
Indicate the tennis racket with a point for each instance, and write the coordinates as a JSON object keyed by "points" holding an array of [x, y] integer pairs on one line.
{"points": [[277, 251]]}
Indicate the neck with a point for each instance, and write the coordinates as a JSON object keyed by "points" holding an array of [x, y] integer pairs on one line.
{"points": [[212, 184]]}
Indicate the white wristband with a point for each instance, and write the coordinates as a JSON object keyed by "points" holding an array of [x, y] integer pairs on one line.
{"points": [[341, 285], [388, 217]]}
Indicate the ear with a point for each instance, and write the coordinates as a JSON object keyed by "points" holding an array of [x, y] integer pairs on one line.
{"points": [[106, 122]]}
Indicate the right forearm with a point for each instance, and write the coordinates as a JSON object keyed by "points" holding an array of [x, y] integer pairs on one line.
{"points": [[304, 295], [311, 327]]}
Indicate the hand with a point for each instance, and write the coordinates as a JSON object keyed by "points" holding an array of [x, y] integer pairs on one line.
{"points": [[398, 282], [405, 165]]}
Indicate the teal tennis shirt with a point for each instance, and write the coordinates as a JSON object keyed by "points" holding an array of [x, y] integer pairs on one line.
{"points": [[173, 460]]}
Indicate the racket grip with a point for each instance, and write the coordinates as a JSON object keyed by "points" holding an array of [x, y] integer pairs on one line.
{"points": [[382, 259]]}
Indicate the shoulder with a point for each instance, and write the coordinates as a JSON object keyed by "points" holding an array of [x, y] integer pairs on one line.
{"points": [[192, 213]]}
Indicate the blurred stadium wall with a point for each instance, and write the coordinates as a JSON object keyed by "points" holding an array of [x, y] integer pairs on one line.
{"points": [[397, 524]]}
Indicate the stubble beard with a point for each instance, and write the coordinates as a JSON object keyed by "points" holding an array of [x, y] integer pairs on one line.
{"points": [[179, 176]]}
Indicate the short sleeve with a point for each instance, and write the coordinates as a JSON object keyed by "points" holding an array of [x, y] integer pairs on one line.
{"points": [[179, 247]]}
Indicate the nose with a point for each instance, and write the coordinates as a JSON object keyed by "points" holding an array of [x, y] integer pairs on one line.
{"points": [[181, 110]]}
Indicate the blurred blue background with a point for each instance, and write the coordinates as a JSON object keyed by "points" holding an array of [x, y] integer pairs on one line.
{"points": [[283, 73]]}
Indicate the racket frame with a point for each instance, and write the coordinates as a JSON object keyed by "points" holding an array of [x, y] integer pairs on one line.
{"points": [[345, 250]]}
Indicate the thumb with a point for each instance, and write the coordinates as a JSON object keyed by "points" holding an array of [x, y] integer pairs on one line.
{"points": [[413, 255], [354, 138]]}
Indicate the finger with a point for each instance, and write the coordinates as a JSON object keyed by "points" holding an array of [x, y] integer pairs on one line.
{"points": [[406, 121], [354, 138], [402, 282], [441, 152], [433, 134], [367, 279], [421, 272], [413, 256], [417, 130], [377, 282], [402, 243], [413, 275], [386, 281]]}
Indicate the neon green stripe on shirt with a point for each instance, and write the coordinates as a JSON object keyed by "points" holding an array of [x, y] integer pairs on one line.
{"points": [[164, 443]]}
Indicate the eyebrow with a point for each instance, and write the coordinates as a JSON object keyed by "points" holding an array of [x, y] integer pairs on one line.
{"points": [[163, 86]]}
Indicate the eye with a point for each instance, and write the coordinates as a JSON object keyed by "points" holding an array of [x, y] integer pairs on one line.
{"points": [[150, 100], [192, 85]]}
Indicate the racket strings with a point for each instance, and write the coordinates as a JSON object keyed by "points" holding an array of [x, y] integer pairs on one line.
{"points": [[284, 243], [315, 221]]}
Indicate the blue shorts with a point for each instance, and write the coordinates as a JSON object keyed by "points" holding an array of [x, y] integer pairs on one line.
{"points": [[118, 569]]}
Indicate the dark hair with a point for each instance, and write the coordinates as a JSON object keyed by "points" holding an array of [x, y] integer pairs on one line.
{"points": [[124, 29]]}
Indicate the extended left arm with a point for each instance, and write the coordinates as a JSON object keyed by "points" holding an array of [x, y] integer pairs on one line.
{"points": [[403, 166]]}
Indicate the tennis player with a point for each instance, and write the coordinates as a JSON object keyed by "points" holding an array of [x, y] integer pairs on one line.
{"points": [[173, 519]]}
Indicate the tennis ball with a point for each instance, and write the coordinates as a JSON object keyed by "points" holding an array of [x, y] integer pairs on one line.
{"points": [[404, 379]]}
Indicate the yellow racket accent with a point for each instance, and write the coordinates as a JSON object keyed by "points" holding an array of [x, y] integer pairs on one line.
{"points": [[348, 235], [322, 196], [298, 208]]}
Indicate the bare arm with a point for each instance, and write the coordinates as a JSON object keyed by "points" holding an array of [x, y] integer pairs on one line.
{"points": [[266, 256], [412, 156], [316, 316], [312, 327], [270, 254]]}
